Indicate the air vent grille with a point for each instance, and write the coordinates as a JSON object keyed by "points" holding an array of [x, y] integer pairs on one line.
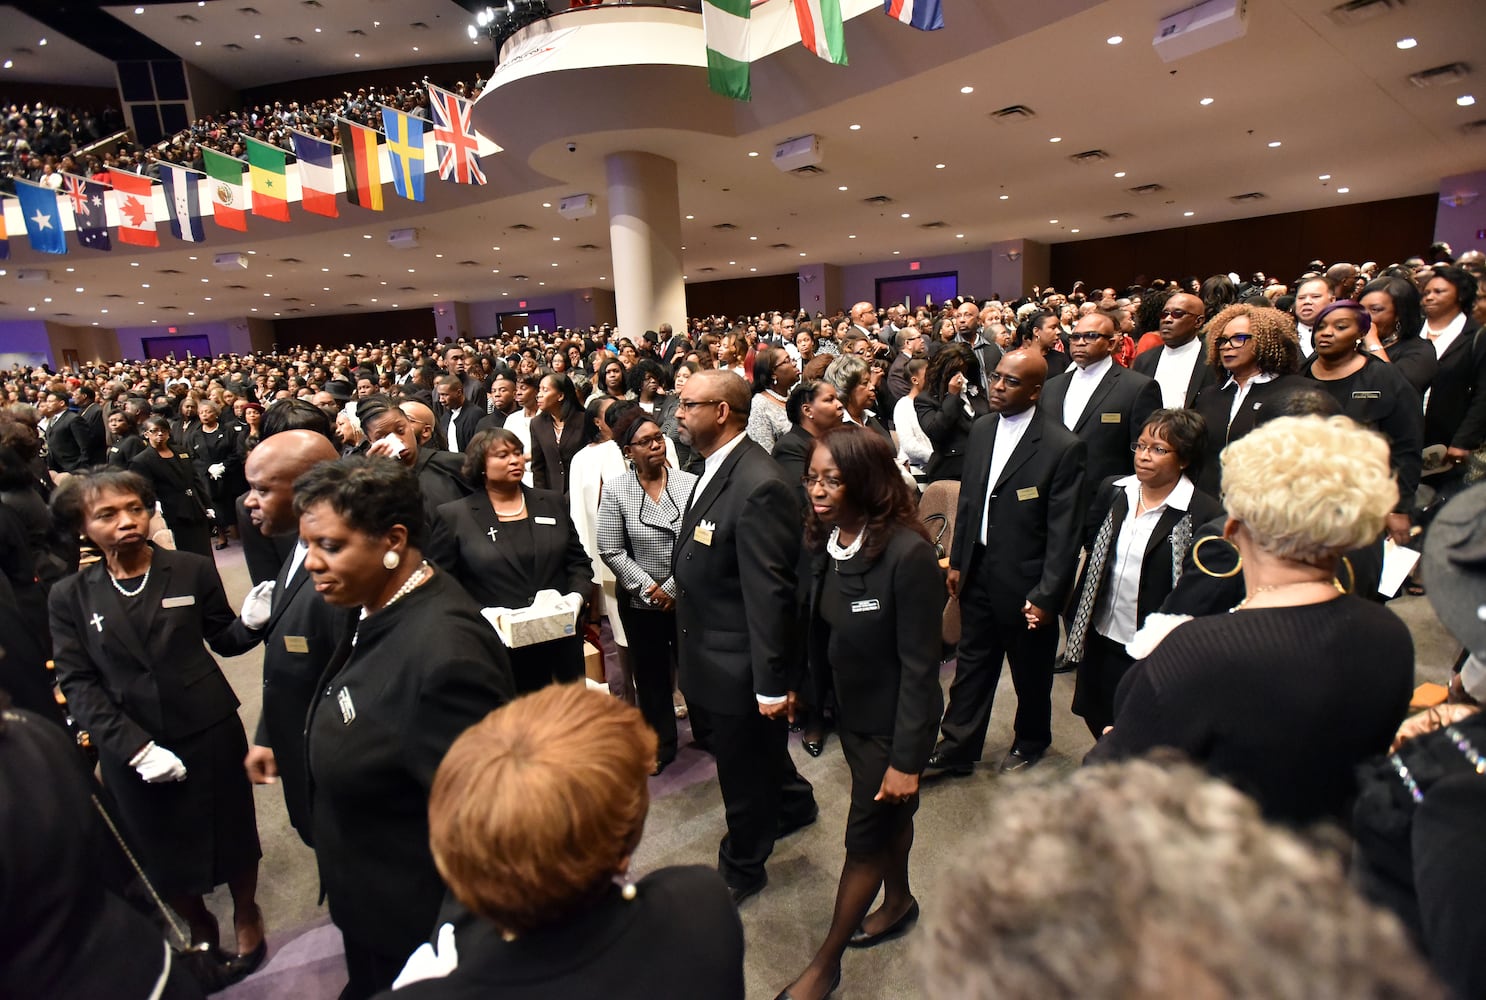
{"points": [[1119, 217], [808, 168], [780, 246], [1248, 196], [1089, 156], [1440, 75], [878, 199], [1357, 11], [932, 225], [1013, 113], [725, 227], [1144, 189], [522, 227]]}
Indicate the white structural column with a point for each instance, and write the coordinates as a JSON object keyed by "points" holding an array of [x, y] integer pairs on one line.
{"points": [[645, 240]]}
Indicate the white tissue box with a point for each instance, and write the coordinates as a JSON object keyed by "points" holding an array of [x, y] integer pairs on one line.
{"points": [[549, 617]]}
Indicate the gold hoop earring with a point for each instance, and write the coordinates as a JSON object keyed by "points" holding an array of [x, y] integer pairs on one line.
{"points": [[1351, 584], [1237, 568]]}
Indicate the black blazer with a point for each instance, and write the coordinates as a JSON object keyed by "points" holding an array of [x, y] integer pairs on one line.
{"points": [[139, 671], [67, 443], [97, 446], [178, 485], [792, 452], [1202, 372], [1214, 403], [885, 665], [1111, 420], [420, 673], [1380, 398], [1036, 520], [551, 460], [1414, 357], [467, 423], [494, 570], [1457, 397], [948, 426], [736, 603]]}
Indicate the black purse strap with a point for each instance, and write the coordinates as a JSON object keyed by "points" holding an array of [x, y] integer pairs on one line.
{"points": [[938, 535]]}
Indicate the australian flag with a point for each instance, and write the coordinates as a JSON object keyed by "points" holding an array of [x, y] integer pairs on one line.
{"points": [[88, 199]]}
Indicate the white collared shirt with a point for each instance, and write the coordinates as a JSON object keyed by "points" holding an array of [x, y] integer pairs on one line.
{"points": [[1174, 371], [1009, 431], [453, 433], [296, 559], [1307, 339], [1081, 389], [1120, 612], [1445, 337], [711, 464], [1243, 391]]}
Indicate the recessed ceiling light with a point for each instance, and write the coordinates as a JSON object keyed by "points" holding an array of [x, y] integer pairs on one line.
{"points": [[753, 237], [47, 299], [1205, 101], [903, 216], [415, 49], [1343, 190], [938, 166], [1119, 173], [79, 288], [206, 299], [1056, 138], [345, 254], [411, 271], [1324, 177], [691, 216], [190, 314], [841, 187], [967, 90], [554, 263], [802, 253], [134, 263], [71, 269], [959, 236], [1114, 39], [356, 55], [855, 128], [8, 64], [1275, 144], [1052, 222], [1465, 100], [753, 152], [30, 309], [732, 262], [1188, 214], [42, 42], [1406, 43], [146, 285], [191, 258], [495, 248], [1006, 197], [317, 31], [852, 236], [258, 37], [751, 269], [198, 41], [139, 10], [1073, 230], [896, 252], [325, 269], [267, 294]]}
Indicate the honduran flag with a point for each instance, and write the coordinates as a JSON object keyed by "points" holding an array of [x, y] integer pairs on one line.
{"points": [[135, 197], [925, 15], [183, 202], [316, 175]]}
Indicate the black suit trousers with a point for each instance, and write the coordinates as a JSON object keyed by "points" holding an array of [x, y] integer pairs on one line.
{"points": [[761, 790], [988, 636], [652, 649]]}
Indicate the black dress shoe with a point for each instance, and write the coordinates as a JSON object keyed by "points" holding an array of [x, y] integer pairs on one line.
{"points": [[814, 747], [899, 927], [785, 994], [742, 892], [942, 765], [244, 964], [785, 829], [1062, 666], [1019, 759]]}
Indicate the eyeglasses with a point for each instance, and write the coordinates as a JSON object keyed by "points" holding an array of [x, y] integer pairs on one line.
{"points": [[692, 404], [1011, 381], [1154, 450], [829, 482], [1077, 337], [649, 441], [1237, 340], [1178, 314]]}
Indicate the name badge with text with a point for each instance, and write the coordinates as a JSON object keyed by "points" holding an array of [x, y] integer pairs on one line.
{"points": [[1030, 493], [1109, 418], [545, 520], [858, 606], [1370, 394], [703, 533], [178, 602], [296, 644]]}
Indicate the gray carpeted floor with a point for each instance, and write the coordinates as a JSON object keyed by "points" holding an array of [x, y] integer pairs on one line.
{"points": [[784, 924]]}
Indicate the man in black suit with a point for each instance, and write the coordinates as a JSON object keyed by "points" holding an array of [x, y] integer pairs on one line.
{"points": [[455, 363], [85, 398], [735, 568], [66, 435], [1104, 404], [458, 417], [1179, 365], [298, 629], [1016, 542], [910, 346], [863, 318]]}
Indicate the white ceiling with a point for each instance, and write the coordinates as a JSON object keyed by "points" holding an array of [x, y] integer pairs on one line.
{"points": [[1337, 99], [59, 60]]}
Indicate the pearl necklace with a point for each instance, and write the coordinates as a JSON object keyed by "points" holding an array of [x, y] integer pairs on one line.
{"points": [[833, 545], [137, 590], [511, 513], [411, 584]]}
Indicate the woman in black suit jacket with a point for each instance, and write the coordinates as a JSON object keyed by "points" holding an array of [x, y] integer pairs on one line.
{"points": [[1141, 529], [949, 404], [178, 487], [556, 433], [1456, 416], [874, 625], [419, 668], [813, 408], [512, 541], [128, 637]]}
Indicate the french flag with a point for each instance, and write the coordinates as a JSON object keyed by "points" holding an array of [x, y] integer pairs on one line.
{"points": [[316, 178], [925, 15]]}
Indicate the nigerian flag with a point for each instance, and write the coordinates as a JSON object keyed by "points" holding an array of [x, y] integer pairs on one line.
{"points": [[725, 27]]}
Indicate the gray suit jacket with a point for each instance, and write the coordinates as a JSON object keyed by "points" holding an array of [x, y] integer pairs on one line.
{"points": [[637, 537]]}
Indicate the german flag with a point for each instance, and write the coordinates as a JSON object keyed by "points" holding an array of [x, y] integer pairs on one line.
{"points": [[359, 160]]}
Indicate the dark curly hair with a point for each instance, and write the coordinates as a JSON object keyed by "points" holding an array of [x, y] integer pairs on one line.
{"points": [[873, 484], [950, 361], [372, 495], [1276, 346], [478, 450]]}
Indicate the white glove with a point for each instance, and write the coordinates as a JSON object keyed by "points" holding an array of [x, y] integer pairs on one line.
{"points": [[211, 514], [430, 961], [255, 607], [155, 764], [574, 602], [215, 470]]}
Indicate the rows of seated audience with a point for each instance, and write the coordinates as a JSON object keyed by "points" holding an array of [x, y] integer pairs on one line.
{"points": [[1187, 493]]}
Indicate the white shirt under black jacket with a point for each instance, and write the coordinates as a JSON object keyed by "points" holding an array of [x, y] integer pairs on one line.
{"points": [[1009, 431], [455, 445], [1174, 371], [1116, 619], [1081, 389]]}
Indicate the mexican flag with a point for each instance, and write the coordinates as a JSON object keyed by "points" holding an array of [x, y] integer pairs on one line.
{"points": [[229, 204]]}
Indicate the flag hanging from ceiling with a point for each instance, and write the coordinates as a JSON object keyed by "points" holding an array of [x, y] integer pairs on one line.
{"points": [[725, 29], [43, 214], [135, 197], [925, 15], [183, 202], [88, 200], [455, 137], [821, 29], [4, 237], [405, 152], [316, 175], [266, 173], [229, 204], [361, 164]]}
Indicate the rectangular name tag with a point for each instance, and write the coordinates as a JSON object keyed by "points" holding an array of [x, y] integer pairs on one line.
{"points": [[703, 535], [545, 520], [178, 602], [858, 606], [1109, 418], [296, 644], [1030, 493], [1373, 394]]}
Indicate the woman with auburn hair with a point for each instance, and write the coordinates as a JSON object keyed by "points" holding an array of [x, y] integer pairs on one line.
{"points": [[1255, 354], [876, 594], [535, 815], [1299, 683]]}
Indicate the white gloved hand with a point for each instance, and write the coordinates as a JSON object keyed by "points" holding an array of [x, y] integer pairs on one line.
{"points": [[211, 514], [255, 607], [216, 469], [574, 602], [430, 961], [156, 764]]}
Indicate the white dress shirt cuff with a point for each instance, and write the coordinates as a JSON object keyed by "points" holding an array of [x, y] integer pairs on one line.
{"points": [[769, 699]]}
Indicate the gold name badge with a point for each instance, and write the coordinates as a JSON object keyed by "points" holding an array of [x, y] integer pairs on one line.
{"points": [[1109, 418], [296, 644], [1030, 493]]}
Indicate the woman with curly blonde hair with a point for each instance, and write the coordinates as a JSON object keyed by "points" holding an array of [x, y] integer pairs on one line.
{"points": [[1255, 354], [1299, 683]]}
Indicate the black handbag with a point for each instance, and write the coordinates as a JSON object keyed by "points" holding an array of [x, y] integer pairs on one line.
{"points": [[938, 535]]}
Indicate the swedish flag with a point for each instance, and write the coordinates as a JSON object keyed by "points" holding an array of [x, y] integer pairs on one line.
{"points": [[405, 152]]}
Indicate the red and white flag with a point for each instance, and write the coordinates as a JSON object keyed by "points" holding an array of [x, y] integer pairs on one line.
{"points": [[135, 197]]}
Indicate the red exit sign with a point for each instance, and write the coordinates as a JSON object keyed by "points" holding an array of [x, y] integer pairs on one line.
{"points": [[913, 265], [521, 304]]}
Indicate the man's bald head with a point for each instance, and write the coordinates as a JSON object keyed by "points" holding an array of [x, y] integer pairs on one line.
{"points": [[713, 409], [271, 470], [422, 418], [1017, 383]]}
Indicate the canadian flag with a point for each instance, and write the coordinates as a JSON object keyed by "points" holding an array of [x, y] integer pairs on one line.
{"points": [[135, 198]]}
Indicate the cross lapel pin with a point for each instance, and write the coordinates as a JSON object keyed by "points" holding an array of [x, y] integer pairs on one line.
{"points": [[97, 622], [492, 533]]}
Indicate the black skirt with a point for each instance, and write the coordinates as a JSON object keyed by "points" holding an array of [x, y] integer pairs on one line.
{"points": [[190, 836], [871, 826]]}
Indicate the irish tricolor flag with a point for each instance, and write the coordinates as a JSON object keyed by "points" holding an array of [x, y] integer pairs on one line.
{"points": [[821, 29], [725, 27], [229, 204]]}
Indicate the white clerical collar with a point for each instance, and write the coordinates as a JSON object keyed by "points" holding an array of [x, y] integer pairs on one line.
{"points": [[1094, 371]]}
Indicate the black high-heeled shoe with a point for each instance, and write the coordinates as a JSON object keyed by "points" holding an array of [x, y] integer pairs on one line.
{"points": [[785, 994], [814, 747]]}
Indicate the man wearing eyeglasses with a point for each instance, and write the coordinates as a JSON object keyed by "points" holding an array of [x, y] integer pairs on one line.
{"points": [[1179, 365], [910, 342], [1104, 404]]}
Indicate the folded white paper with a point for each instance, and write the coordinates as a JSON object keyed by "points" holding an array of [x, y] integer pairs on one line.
{"points": [[1397, 562]]}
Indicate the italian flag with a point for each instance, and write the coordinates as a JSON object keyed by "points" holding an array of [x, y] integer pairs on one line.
{"points": [[725, 28], [266, 172], [229, 205], [821, 29]]}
